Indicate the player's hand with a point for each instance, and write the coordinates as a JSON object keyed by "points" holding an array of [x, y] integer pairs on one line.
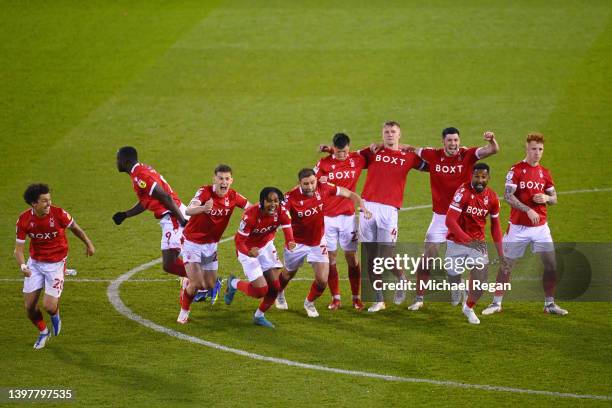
{"points": [[323, 148], [540, 198], [375, 147], [253, 252], [366, 213], [489, 136], [26, 270], [119, 217], [182, 222], [291, 245], [208, 205], [534, 217], [407, 148], [90, 250]]}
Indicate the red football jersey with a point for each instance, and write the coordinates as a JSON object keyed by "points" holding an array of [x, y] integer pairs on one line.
{"points": [[387, 171], [47, 237], [343, 173], [474, 208], [260, 228], [207, 228], [446, 173], [144, 180], [307, 212], [528, 180]]}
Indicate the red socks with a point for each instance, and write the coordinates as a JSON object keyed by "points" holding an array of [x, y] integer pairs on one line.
{"points": [[315, 292], [354, 273], [422, 277], [549, 281], [332, 280], [501, 278], [249, 290], [270, 297], [40, 324], [186, 300]]}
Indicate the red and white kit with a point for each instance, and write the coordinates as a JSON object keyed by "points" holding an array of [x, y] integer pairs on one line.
{"points": [[528, 181], [446, 174], [257, 230], [340, 221], [383, 192], [308, 225], [48, 249], [144, 179], [203, 231], [474, 208]]}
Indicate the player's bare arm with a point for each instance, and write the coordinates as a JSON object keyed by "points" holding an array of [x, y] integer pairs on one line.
{"points": [[515, 203], [490, 148], [550, 197], [120, 216], [357, 201], [80, 234], [159, 194], [21, 259], [195, 207]]}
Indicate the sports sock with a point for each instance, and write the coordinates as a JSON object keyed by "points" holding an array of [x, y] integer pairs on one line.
{"points": [[270, 297], [315, 292], [354, 273], [249, 290], [332, 280]]}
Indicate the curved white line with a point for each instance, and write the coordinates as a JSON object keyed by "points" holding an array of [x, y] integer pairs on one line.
{"points": [[115, 299]]}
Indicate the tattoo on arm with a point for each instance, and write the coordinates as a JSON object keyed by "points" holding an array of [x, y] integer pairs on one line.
{"points": [[513, 201], [552, 196]]}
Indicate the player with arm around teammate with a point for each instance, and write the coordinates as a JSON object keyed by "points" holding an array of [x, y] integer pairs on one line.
{"points": [[45, 226], [466, 247], [257, 254]]}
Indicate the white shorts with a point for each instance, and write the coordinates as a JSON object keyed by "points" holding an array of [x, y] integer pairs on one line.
{"points": [[172, 236], [294, 259], [204, 254], [341, 228], [459, 258], [49, 275], [255, 267], [436, 233], [518, 237], [382, 227]]}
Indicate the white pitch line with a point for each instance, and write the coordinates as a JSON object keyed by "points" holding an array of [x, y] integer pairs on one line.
{"points": [[115, 300]]}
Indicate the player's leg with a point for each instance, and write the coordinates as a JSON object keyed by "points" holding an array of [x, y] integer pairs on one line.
{"points": [[321, 272], [349, 242], [456, 257], [423, 273], [54, 286], [478, 275], [32, 286], [171, 241], [549, 281], [271, 277], [332, 235], [294, 259], [196, 282], [515, 241], [387, 234]]}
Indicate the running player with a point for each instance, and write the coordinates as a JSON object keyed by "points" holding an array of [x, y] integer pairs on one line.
{"points": [[156, 195], [210, 209], [341, 168], [306, 204], [466, 247], [449, 167], [529, 188], [45, 225], [257, 254]]}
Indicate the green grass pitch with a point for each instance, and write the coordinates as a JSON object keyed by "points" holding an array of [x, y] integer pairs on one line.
{"points": [[259, 85]]}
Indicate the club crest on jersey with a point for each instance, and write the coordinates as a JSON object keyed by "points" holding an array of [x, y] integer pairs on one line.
{"points": [[541, 174], [142, 184], [242, 225], [227, 203], [486, 201], [458, 197], [352, 162], [51, 222], [318, 195], [510, 175]]}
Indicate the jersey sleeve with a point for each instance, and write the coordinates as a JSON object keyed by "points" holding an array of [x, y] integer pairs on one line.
{"points": [[20, 231], [427, 153], [284, 218], [146, 183], [548, 182], [366, 153], [241, 201], [246, 224], [494, 206], [458, 200], [330, 190], [65, 219], [418, 163], [512, 178], [317, 169], [202, 195], [287, 202], [471, 154]]}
